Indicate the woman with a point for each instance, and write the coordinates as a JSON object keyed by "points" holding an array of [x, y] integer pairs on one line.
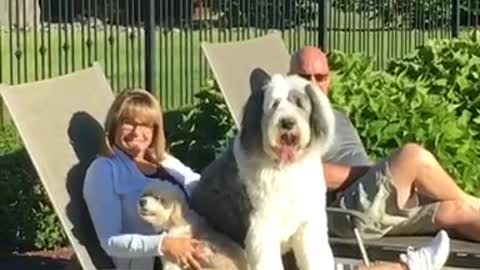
{"points": [[134, 154]]}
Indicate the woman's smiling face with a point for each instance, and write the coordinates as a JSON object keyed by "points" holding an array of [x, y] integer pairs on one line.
{"points": [[134, 137]]}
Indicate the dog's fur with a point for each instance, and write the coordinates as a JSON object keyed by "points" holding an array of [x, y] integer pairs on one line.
{"points": [[267, 191], [167, 209]]}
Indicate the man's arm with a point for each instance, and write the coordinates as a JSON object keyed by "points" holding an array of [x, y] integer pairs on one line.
{"points": [[339, 177]]}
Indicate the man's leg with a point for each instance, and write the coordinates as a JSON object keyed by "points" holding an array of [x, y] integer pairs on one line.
{"points": [[415, 167], [459, 218]]}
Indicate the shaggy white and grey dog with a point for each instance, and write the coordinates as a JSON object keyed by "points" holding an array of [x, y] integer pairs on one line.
{"points": [[167, 209], [268, 191]]}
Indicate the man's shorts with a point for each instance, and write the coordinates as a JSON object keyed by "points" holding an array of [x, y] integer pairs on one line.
{"points": [[374, 197]]}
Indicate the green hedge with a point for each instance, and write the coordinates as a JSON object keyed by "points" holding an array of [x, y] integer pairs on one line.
{"points": [[27, 216], [202, 131], [391, 110], [429, 97]]}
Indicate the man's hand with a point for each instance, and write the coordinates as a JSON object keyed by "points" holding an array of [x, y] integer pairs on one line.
{"points": [[188, 253]]}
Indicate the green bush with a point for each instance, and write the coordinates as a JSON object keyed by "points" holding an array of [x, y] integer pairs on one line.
{"points": [[451, 69], [27, 216], [203, 130]]}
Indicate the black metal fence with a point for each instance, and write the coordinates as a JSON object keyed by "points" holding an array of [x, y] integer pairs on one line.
{"points": [[156, 44]]}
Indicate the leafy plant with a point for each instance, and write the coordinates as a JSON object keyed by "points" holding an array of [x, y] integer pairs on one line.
{"points": [[27, 217], [204, 130], [451, 69], [406, 105]]}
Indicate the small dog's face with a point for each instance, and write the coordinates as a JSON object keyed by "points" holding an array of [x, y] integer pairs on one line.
{"points": [[160, 206]]}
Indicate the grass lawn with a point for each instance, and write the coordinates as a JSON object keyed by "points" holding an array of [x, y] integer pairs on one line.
{"points": [[180, 66]]}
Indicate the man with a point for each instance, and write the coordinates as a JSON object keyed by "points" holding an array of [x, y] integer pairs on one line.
{"points": [[388, 192]]}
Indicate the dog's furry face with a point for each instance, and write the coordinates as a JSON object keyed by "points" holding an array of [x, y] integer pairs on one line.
{"points": [[285, 117], [160, 206]]}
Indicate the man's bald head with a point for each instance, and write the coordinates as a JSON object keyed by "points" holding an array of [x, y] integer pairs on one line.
{"points": [[312, 64]]}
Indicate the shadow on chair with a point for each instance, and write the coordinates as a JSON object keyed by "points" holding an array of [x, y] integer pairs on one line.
{"points": [[86, 135]]}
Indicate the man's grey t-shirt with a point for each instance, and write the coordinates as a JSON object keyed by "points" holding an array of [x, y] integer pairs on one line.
{"points": [[347, 147]]}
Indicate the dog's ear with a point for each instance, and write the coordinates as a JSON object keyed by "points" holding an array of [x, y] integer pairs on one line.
{"points": [[251, 126], [321, 117], [258, 79]]}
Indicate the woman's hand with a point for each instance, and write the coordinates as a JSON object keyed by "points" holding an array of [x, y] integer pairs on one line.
{"points": [[186, 252]]}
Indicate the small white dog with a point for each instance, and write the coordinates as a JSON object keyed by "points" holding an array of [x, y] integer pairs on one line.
{"points": [[167, 209], [268, 190]]}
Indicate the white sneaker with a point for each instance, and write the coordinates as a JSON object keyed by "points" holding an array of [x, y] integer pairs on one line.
{"points": [[431, 257]]}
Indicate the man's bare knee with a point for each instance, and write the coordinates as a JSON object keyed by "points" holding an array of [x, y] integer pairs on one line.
{"points": [[417, 153], [411, 149], [407, 156], [415, 158], [405, 166]]}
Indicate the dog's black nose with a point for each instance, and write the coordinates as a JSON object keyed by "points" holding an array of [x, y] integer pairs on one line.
{"points": [[287, 123], [142, 202]]}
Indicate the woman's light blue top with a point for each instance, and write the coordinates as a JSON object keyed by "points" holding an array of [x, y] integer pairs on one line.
{"points": [[113, 186]]}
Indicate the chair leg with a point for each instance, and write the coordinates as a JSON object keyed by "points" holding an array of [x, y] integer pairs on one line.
{"points": [[363, 251]]}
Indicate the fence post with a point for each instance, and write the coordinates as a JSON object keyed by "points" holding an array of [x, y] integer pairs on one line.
{"points": [[455, 17], [149, 45], [323, 6]]}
